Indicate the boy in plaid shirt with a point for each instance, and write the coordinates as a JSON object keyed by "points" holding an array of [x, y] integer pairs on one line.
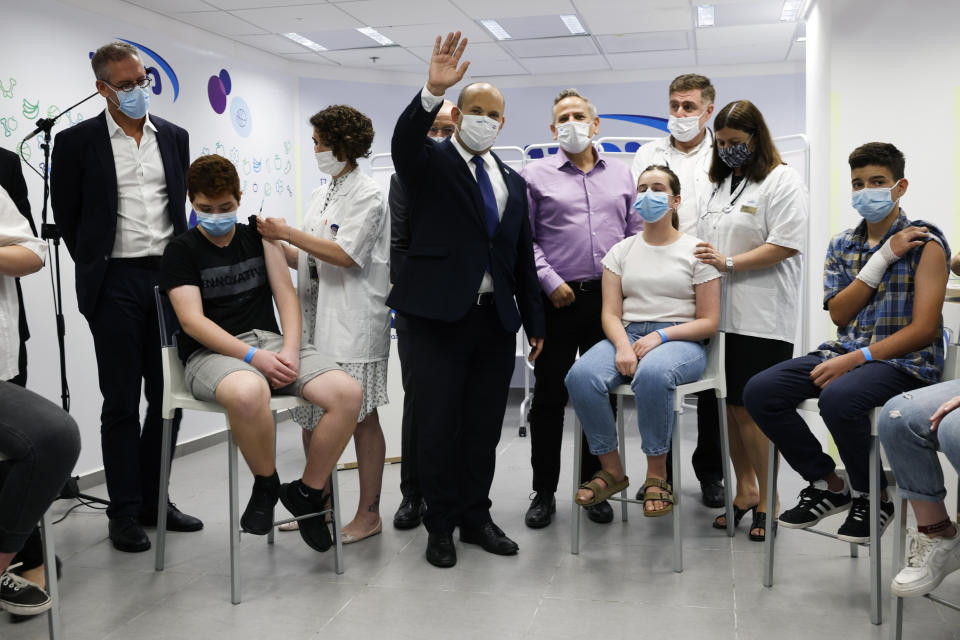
{"points": [[884, 283]]}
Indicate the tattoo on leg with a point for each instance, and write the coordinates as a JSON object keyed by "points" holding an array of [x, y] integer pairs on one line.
{"points": [[375, 505]]}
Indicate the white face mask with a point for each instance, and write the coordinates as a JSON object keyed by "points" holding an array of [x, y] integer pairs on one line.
{"points": [[684, 129], [478, 133], [328, 163], [573, 137]]}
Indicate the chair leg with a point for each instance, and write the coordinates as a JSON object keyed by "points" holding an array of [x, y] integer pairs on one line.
{"points": [[768, 543], [876, 614], [50, 572], [165, 444], [623, 455], [337, 535], [899, 534], [725, 455], [234, 519], [576, 512], [677, 542], [273, 529]]}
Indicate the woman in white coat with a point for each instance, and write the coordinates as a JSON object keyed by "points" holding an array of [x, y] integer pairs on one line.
{"points": [[343, 277], [753, 227]]}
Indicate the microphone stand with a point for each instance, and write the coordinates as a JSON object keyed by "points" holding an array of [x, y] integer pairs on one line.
{"points": [[50, 232]]}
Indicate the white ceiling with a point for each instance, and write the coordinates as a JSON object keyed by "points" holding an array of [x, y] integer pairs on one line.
{"points": [[622, 35]]}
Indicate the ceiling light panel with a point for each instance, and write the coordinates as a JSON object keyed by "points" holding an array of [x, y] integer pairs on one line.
{"points": [[791, 10], [376, 36], [304, 41], [705, 15], [495, 29], [572, 22]]}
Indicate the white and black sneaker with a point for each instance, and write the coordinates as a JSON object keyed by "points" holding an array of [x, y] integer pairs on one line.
{"points": [[22, 597], [816, 503], [856, 529]]}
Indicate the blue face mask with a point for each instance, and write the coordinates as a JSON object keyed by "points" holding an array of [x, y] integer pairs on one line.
{"points": [[735, 155], [133, 103], [217, 224], [652, 205], [874, 204]]}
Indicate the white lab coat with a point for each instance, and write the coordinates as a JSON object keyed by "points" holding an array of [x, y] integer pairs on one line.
{"points": [[692, 168], [352, 319], [764, 302]]}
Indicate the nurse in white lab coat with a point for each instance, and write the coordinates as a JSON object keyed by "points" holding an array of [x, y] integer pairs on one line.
{"points": [[343, 277], [753, 229]]}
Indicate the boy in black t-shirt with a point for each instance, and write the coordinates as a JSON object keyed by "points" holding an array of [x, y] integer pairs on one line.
{"points": [[222, 279]]}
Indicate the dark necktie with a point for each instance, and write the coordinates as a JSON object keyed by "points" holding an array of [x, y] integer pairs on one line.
{"points": [[486, 192]]}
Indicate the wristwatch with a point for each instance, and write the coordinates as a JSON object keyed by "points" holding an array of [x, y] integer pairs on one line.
{"points": [[729, 264]]}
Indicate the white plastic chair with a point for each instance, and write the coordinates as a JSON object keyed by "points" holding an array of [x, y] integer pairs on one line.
{"points": [[49, 571], [177, 396], [713, 378], [951, 371]]}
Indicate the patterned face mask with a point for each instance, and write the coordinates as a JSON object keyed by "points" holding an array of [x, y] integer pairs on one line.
{"points": [[735, 155]]}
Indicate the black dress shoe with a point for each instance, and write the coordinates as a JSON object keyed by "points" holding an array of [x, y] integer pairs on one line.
{"points": [[176, 519], [440, 550], [491, 538], [127, 534], [410, 513], [713, 493], [601, 513], [542, 507]]}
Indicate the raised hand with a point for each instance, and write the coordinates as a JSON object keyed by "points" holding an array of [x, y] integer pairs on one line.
{"points": [[443, 64]]}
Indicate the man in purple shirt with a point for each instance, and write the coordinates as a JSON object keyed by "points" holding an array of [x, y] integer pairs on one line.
{"points": [[580, 206]]}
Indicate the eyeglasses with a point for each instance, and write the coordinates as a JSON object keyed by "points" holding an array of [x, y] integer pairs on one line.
{"points": [[127, 87], [445, 131]]}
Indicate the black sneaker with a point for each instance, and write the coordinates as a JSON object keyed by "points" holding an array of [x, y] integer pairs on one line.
{"points": [[300, 501], [815, 504], [22, 597], [257, 518], [856, 528]]}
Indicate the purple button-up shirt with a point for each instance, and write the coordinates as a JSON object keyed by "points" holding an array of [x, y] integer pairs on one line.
{"points": [[577, 217]]}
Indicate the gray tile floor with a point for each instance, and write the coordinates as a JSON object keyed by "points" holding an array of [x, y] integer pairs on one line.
{"points": [[620, 586]]}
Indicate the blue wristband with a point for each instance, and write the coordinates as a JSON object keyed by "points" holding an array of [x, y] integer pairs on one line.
{"points": [[247, 358], [663, 336], [866, 353]]}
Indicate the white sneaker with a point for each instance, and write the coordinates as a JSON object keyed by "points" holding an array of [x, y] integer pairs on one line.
{"points": [[929, 561]]}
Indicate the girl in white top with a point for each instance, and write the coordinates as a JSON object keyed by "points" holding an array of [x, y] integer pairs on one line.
{"points": [[754, 227], [659, 304], [343, 277]]}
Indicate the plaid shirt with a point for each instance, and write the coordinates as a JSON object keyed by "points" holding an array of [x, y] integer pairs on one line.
{"points": [[891, 307]]}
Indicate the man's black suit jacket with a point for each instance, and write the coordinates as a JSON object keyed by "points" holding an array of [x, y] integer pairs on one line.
{"points": [[449, 245], [83, 190], [11, 179]]}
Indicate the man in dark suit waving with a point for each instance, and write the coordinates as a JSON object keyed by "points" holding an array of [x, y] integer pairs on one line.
{"points": [[465, 287], [118, 191]]}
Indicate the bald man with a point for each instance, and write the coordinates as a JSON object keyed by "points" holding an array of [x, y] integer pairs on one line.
{"points": [[410, 511], [467, 284]]}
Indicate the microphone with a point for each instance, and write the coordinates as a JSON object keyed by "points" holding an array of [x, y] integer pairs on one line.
{"points": [[43, 124]]}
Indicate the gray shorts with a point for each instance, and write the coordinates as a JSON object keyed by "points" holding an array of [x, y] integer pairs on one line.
{"points": [[205, 369]]}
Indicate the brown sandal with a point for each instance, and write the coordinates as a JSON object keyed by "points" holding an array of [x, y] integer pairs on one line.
{"points": [[665, 495], [601, 493]]}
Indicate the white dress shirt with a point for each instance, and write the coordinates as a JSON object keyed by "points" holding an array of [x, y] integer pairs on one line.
{"points": [[14, 230], [143, 223], [500, 192], [692, 168]]}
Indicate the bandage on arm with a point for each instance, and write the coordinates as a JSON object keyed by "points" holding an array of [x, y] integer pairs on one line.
{"points": [[872, 273]]}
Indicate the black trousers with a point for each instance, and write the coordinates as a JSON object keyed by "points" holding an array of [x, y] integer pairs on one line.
{"points": [[571, 329], [126, 338], [409, 478], [461, 376], [42, 443]]}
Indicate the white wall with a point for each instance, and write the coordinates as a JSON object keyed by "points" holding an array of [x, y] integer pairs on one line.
{"points": [[62, 77]]}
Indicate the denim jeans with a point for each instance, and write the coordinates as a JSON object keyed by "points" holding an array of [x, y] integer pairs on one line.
{"points": [[911, 446], [658, 374]]}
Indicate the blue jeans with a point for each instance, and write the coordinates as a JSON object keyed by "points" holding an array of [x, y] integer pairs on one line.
{"points": [[594, 375], [910, 445]]}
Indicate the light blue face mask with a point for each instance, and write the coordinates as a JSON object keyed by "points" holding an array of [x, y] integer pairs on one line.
{"points": [[652, 205], [217, 224], [874, 204], [133, 103]]}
